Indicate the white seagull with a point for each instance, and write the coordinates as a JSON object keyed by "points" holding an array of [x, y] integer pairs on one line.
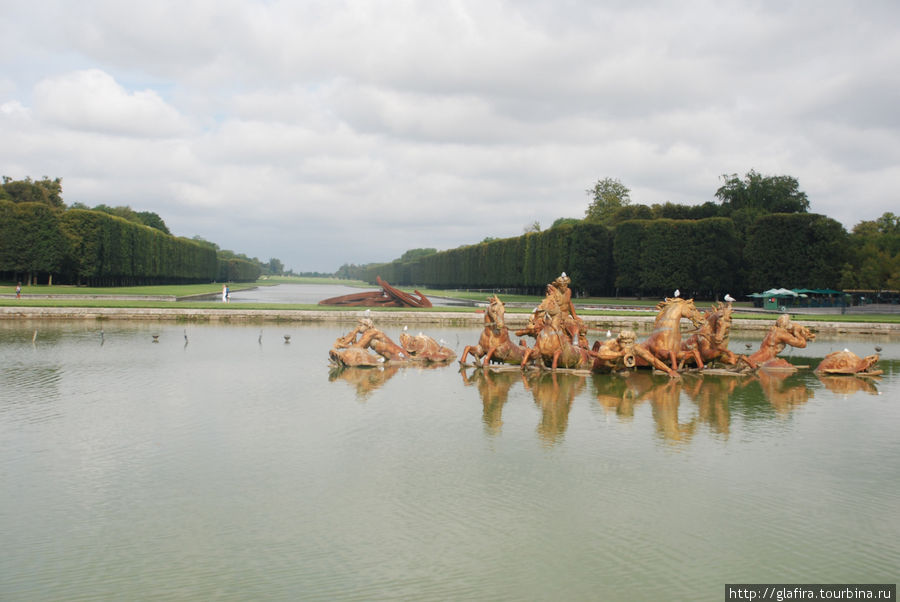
{"points": [[677, 293], [729, 298]]}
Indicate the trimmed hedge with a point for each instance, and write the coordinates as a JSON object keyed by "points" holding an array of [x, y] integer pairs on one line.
{"points": [[704, 258], [81, 246]]}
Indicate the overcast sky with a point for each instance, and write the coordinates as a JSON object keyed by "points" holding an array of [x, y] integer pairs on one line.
{"points": [[333, 132]]}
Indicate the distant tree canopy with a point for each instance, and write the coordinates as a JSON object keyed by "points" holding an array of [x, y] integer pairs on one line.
{"points": [[45, 191], [767, 194], [414, 254], [607, 196], [874, 255], [561, 221], [147, 218]]}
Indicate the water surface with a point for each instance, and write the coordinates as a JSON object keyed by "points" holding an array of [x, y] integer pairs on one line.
{"points": [[222, 462]]}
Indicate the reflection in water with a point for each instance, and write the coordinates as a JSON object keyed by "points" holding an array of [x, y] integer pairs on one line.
{"points": [[554, 393], [367, 379], [234, 464], [624, 391], [850, 384], [364, 380], [493, 386], [715, 397], [711, 394], [782, 391]]}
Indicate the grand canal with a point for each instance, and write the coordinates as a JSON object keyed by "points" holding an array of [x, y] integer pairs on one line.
{"points": [[224, 462]]}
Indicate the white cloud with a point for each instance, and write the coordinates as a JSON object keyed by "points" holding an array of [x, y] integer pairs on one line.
{"points": [[92, 101], [331, 132]]}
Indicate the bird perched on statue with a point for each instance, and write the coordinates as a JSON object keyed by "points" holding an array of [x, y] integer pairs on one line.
{"points": [[729, 298], [677, 293]]}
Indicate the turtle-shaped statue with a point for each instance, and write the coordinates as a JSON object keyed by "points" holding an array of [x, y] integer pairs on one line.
{"points": [[847, 362]]}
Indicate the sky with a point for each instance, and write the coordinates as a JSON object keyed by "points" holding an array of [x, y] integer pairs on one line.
{"points": [[348, 132]]}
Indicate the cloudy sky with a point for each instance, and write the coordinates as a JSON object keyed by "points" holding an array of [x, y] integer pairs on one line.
{"points": [[333, 132]]}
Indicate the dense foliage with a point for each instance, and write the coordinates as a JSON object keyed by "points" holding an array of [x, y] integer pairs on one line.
{"points": [[40, 239], [759, 236]]}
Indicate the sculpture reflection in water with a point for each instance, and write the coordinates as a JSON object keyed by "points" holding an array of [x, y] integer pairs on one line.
{"points": [[622, 393], [363, 380], [711, 399], [846, 386], [493, 388], [554, 394], [782, 390], [368, 379]]}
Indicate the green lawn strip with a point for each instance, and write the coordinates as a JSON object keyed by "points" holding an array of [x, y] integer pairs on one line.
{"points": [[74, 301], [78, 297], [177, 290]]}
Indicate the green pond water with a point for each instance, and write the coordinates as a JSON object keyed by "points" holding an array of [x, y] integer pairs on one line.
{"points": [[222, 462]]}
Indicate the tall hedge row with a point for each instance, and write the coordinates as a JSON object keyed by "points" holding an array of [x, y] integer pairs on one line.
{"points": [[31, 240], [795, 250], [89, 247], [525, 263], [705, 258]]}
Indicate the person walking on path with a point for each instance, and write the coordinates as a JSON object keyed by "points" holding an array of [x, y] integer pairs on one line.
{"points": [[19, 290]]}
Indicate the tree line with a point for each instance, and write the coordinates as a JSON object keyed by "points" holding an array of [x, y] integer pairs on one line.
{"points": [[759, 235], [41, 239]]}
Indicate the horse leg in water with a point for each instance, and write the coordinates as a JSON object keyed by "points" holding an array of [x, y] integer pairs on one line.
{"points": [[489, 355], [469, 349], [525, 359]]}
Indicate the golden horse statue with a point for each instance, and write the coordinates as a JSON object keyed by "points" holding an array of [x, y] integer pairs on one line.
{"points": [[494, 343], [710, 342], [665, 340], [553, 343]]}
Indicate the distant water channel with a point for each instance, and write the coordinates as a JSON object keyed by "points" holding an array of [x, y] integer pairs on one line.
{"points": [[311, 294], [222, 462]]}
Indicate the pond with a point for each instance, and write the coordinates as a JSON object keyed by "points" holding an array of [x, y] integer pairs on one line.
{"points": [[225, 462]]}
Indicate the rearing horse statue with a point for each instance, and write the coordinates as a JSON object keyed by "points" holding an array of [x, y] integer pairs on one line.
{"points": [[665, 340], [494, 343], [710, 343]]}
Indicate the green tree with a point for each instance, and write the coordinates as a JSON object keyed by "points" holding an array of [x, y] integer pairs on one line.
{"points": [[607, 195], [413, 254], [874, 255], [764, 194], [626, 213], [45, 191], [149, 218], [275, 266], [565, 221]]}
